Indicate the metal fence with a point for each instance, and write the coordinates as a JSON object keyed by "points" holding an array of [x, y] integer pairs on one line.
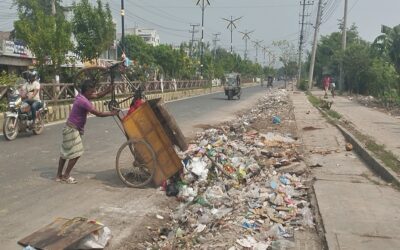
{"points": [[65, 92]]}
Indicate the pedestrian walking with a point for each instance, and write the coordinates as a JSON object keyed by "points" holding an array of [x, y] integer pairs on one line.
{"points": [[333, 86], [326, 84], [72, 147]]}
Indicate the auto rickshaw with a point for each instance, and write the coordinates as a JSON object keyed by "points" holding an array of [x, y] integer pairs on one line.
{"points": [[232, 85]]}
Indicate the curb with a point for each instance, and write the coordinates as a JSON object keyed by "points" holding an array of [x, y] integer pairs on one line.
{"points": [[376, 165]]}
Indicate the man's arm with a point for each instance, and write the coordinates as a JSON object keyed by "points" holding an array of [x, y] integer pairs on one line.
{"points": [[103, 114]]}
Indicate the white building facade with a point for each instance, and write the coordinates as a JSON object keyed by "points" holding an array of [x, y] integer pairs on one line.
{"points": [[150, 36]]}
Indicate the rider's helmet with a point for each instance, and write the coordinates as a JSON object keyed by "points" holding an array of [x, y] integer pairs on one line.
{"points": [[33, 75]]}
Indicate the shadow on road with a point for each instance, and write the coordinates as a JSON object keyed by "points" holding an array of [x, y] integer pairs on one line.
{"points": [[223, 98], [20, 136], [110, 178]]}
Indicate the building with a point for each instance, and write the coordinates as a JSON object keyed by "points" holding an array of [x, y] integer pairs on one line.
{"points": [[15, 57], [150, 36]]}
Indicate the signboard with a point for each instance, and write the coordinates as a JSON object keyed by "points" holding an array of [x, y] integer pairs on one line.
{"points": [[15, 49]]}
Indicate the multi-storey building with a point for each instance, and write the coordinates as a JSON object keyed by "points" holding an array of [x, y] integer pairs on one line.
{"points": [[150, 36]]}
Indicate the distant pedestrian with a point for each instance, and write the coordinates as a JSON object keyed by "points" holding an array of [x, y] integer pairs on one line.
{"points": [[72, 147], [333, 86], [326, 83]]}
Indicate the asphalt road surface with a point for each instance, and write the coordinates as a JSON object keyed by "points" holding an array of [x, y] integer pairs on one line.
{"points": [[30, 198]]}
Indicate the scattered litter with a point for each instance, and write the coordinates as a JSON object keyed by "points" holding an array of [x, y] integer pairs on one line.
{"points": [[324, 151], [308, 128], [349, 146], [200, 228], [95, 240], [237, 181], [29, 248], [159, 217], [276, 120]]}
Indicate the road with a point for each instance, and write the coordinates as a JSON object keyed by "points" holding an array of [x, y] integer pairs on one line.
{"points": [[30, 198]]}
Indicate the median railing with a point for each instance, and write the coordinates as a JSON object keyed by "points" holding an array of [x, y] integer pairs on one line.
{"points": [[64, 92]]}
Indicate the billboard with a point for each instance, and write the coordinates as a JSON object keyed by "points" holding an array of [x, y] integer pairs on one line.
{"points": [[15, 49]]}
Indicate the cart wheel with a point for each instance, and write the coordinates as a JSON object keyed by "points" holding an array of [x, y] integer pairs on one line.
{"points": [[134, 169]]}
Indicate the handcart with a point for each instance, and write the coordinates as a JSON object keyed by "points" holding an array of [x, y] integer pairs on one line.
{"points": [[148, 154]]}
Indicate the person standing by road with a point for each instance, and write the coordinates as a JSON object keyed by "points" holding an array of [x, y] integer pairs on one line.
{"points": [[332, 87], [72, 147], [326, 83]]}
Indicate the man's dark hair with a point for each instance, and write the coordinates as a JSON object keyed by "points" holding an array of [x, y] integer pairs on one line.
{"points": [[87, 84]]}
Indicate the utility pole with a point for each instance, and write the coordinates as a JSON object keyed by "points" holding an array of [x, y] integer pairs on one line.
{"points": [[301, 40], [193, 30], [123, 26], [344, 44], [231, 26], [256, 45], [246, 37], [215, 40], [53, 7], [265, 51], [203, 5], [314, 48]]}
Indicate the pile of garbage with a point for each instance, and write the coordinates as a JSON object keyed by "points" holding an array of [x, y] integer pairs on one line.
{"points": [[391, 105], [240, 188]]}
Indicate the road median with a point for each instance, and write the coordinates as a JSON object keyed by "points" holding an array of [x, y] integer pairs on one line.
{"points": [[61, 112]]}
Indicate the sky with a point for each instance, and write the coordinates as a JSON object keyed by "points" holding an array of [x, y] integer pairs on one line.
{"points": [[271, 20]]}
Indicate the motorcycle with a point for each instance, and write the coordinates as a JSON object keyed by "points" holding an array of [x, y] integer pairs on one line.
{"points": [[18, 117]]}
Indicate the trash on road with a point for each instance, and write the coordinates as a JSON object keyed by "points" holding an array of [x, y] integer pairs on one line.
{"points": [[276, 120], [241, 187], [349, 146]]}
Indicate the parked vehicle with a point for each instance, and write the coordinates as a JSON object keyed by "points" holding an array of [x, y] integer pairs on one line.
{"points": [[18, 117], [232, 86]]}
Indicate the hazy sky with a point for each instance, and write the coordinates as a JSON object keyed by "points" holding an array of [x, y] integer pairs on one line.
{"points": [[271, 19]]}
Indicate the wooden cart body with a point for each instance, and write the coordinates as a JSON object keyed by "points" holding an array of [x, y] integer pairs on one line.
{"points": [[144, 124]]}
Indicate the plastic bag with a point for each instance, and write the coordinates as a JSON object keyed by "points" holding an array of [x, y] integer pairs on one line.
{"points": [[307, 217], [96, 240]]}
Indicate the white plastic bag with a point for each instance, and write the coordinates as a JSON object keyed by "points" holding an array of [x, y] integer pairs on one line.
{"points": [[96, 240]]}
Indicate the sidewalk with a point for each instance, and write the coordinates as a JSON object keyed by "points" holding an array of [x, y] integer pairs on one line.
{"points": [[358, 210], [383, 128]]}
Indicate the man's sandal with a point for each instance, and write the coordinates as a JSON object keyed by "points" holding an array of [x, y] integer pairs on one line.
{"points": [[70, 180]]}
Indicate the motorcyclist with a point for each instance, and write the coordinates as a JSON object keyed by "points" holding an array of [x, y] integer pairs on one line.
{"points": [[32, 96]]}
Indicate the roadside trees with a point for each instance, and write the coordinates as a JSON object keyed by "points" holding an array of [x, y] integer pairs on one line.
{"points": [[388, 45], [47, 36], [93, 29], [287, 57]]}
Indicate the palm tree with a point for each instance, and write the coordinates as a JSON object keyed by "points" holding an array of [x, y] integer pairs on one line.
{"points": [[388, 44]]}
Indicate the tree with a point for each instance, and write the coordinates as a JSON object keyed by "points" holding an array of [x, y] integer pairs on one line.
{"points": [[138, 50], [388, 45], [93, 29], [357, 63], [330, 53], [47, 36], [287, 57]]}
